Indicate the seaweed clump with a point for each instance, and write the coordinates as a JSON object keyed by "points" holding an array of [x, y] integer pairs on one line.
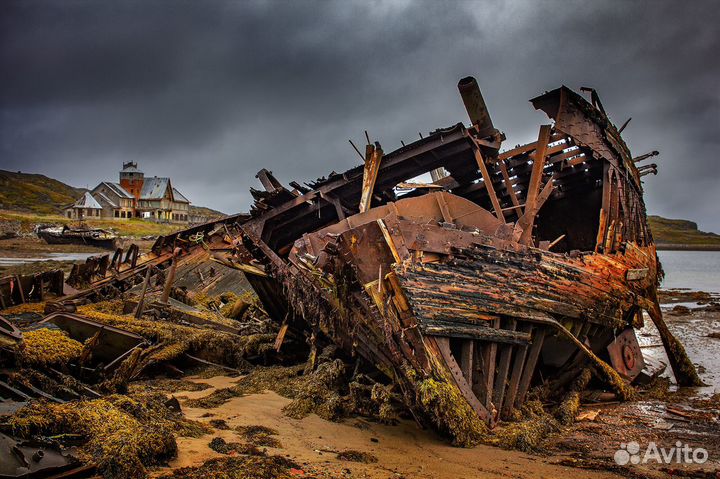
{"points": [[220, 446], [122, 435], [259, 435], [171, 340], [318, 392], [451, 413], [370, 398], [47, 347], [167, 385], [357, 456], [241, 467], [531, 425], [568, 408]]}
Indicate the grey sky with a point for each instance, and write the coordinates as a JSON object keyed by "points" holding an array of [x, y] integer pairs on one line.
{"points": [[210, 92]]}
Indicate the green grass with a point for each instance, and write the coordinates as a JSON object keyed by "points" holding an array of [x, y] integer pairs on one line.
{"points": [[25, 223], [35, 193], [680, 232], [28, 199]]}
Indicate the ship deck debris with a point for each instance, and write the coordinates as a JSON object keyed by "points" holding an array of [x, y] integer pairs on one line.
{"points": [[487, 304]]}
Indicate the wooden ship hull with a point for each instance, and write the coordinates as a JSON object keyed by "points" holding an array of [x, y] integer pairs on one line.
{"points": [[90, 237], [510, 270]]}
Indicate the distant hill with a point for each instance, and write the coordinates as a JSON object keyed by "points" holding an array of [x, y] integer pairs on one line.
{"points": [[207, 212], [38, 194], [683, 234], [33, 193]]}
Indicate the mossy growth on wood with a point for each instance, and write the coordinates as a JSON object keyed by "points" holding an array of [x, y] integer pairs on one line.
{"points": [[171, 340], [451, 413], [530, 426], [48, 347], [567, 410], [123, 435]]}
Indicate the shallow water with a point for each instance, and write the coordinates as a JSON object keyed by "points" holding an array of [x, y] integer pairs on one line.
{"points": [[694, 270], [692, 331], [6, 261]]}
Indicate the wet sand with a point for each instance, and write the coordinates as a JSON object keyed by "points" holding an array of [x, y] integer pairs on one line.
{"points": [[583, 450], [402, 451]]}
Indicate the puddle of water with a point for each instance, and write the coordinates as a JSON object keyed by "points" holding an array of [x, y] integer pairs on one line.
{"points": [[4, 261]]}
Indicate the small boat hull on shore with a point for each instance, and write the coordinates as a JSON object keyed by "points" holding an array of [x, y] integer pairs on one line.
{"points": [[90, 237]]}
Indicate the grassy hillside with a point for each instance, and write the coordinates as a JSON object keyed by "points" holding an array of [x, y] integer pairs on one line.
{"points": [[209, 212], [680, 232], [35, 193], [25, 223], [28, 199]]}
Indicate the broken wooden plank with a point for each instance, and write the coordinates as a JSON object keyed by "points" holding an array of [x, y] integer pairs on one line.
{"points": [[482, 333], [509, 188], [467, 353], [503, 366], [373, 157], [518, 368], [531, 362], [537, 167], [487, 180]]}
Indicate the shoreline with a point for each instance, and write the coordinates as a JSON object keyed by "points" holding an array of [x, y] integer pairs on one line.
{"points": [[686, 247]]}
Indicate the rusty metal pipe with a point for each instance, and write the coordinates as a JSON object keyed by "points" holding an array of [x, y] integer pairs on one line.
{"points": [[475, 106]]}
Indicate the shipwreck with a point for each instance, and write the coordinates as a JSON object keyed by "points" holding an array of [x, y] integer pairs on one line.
{"points": [[468, 275]]}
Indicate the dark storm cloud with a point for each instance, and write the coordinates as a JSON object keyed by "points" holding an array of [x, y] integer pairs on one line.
{"points": [[210, 92]]}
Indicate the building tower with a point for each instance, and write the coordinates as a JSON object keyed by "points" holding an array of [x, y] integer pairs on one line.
{"points": [[132, 179]]}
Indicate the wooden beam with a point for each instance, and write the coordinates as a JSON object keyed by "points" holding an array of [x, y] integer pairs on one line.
{"points": [[600, 241], [609, 241], [489, 356], [481, 333], [487, 179], [537, 167], [389, 240], [503, 367], [556, 241], [467, 352], [530, 364], [373, 157], [281, 336], [517, 371], [509, 188], [523, 228]]}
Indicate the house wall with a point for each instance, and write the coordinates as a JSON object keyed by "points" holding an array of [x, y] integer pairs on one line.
{"points": [[180, 212], [132, 183], [82, 213], [124, 207]]}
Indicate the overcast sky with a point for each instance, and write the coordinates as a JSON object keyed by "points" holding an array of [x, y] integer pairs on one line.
{"points": [[210, 92]]}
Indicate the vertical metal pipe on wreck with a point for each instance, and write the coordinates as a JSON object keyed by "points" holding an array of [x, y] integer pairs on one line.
{"points": [[475, 106]]}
